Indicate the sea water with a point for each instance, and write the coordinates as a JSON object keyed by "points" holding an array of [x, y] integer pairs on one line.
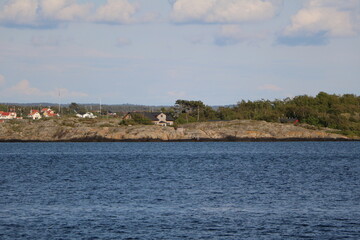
{"points": [[277, 190]]}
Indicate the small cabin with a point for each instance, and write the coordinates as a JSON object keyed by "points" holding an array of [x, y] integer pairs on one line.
{"points": [[86, 115], [157, 118], [7, 115], [48, 112], [34, 114]]}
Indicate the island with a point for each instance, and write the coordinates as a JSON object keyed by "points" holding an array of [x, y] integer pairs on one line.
{"points": [[327, 117], [100, 130]]}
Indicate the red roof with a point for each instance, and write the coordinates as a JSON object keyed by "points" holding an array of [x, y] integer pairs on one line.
{"points": [[7, 113], [33, 112]]}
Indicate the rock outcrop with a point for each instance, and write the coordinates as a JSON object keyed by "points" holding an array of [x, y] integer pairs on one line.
{"points": [[109, 130]]}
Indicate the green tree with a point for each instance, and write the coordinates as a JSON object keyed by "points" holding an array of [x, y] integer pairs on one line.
{"points": [[190, 107], [76, 108], [141, 119]]}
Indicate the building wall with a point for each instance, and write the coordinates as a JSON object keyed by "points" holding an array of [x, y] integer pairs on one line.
{"points": [[162, 117], [36, 116], [127, 117], [11, 115]]}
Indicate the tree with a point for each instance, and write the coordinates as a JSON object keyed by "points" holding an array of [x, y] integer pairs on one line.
{"points": [[189, 107], [141, 119], [76, 108], [324, 110]]}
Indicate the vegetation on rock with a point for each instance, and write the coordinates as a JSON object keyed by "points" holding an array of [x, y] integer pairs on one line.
{"points": [[340, 112]]}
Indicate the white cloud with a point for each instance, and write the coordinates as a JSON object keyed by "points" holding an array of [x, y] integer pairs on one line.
{"points": [[223, 11], [2, 79], [24, 89], [313, 20], [42, 13], [116, 11], [320, 20], [270, 87], [50, 13], [64, 10], [19, 12]]}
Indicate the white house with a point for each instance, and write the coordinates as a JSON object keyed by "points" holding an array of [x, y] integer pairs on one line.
{"points": [[34, 114], [157, 118], [86, 115], [7, 115], [48, 112]]}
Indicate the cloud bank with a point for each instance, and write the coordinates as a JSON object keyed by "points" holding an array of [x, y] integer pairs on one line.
{"points": [[24, 89], [115, 12], [223, 11], [321, 20], [51, 13]]}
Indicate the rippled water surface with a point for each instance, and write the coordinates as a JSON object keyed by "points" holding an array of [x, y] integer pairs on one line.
{"points": [[294, 190]]}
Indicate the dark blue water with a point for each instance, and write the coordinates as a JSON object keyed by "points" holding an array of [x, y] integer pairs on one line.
{"points": [[284, 190]]}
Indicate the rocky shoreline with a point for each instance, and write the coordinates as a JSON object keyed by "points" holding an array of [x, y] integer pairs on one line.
{"points": [[194, 140], [109, 130]]}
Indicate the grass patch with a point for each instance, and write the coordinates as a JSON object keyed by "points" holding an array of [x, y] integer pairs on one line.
{"points": [[106, 125]]}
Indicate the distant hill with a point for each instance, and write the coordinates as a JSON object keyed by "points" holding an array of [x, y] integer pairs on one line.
{"points": [[127, 107]]}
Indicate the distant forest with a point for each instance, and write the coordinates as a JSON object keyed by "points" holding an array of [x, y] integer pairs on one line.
{"points": [[68, 109], [341, 112]]}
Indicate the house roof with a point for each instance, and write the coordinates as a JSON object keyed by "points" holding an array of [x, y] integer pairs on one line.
{"points": [[169, 117], [33, 112], [48, 112], [151, 115], [7, 113]]}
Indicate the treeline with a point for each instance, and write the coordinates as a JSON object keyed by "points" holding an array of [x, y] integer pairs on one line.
{"points": [[68, 109], [340, 112]]}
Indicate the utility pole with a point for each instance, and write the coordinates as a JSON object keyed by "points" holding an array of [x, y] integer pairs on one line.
{"points": [[198, 113], [59, 103], [100, 107]]}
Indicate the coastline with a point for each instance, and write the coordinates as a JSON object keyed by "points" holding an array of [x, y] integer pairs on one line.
{"points": [[74, 130], [97, 139]]}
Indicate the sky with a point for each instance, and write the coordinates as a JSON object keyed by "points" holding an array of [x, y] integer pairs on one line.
{"points": [[155, 52]]}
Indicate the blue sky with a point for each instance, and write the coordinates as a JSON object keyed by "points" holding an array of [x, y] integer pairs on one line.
{"points": [[155, 52]]}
